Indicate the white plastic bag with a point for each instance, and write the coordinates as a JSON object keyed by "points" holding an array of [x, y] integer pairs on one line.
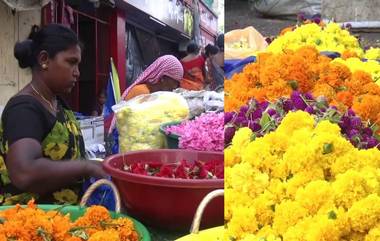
{"points": [[202, 101], [287, 7], [242, 43], [139, 119]]}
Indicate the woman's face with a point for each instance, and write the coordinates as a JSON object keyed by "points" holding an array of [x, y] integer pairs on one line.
{"points": [[63, 70], [168, 84]]}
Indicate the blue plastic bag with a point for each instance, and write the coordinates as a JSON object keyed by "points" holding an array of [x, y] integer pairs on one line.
{"points": [[103, 195], [232, 67]]}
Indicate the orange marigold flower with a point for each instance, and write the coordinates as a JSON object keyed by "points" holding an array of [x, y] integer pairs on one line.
{"points": [[349, 54], [109, 235], [345, 97]]}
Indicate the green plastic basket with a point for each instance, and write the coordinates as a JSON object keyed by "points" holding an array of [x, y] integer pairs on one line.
{"points": [[172, 140], [77, 211]]}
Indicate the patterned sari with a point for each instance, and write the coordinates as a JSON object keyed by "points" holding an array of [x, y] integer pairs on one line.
{"points": [[60, 138]]}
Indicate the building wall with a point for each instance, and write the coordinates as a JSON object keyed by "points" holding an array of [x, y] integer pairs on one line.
{"points": [[13, 28], [342, 11]]}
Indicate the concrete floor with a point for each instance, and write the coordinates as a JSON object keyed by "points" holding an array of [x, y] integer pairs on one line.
{"points": [[240, 14]]}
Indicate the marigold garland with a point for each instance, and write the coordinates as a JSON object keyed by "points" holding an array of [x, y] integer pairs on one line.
{"points": [[303, 181], [276, 75]]}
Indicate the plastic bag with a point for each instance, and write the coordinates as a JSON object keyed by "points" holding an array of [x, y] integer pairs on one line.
{"points": [[139, 119], [202, 101], [242, 43], [287, 7]]}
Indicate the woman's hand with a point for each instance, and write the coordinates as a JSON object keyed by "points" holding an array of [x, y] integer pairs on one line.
{"points": [[95, 169]]}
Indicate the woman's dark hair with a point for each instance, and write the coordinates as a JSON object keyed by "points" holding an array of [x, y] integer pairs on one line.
{"points": [[192, 48], [52, 38], [211, 50], [220, 42]]}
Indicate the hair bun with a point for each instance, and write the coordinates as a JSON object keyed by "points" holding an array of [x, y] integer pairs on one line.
{"points": [[23, 53]]}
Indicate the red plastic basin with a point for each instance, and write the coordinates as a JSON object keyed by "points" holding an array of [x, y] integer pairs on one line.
{"points": [[165, 202]]}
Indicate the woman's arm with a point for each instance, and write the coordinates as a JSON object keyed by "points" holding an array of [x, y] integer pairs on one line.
{"points": [[29, 171]]}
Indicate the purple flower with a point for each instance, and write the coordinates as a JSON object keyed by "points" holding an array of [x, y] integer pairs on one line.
{"points": [[350, 112], [254, 126], [317, 20], [244, 109], [239, 121], [228, 117], [309, 110], [372, 142], [352, 133], [256, 114], [367, 131], [298, 102], [288, 105], [301, 16], [263, 105], [229, 133], [355, 122], [309, 96], [345, 123], [245, 123], [271, 112]]}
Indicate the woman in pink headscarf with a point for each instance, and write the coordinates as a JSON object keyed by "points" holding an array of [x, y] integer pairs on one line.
{"points": [[164, 74]]}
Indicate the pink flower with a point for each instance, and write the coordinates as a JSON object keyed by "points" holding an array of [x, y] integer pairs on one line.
{"points": [[205, 133]]}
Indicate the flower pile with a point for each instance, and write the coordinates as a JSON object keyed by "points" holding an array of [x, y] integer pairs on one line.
{"points": [[372, 53], [264, 117], [184, 169], [32, 223], [354, 64], [330, 37], [204, 133], [303, 181], [305, 70]]}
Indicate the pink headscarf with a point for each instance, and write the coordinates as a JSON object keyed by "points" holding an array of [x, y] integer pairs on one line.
{"points": [[167, 65]]}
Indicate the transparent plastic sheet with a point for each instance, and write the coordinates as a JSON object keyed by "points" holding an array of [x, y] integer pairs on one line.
{"points": [[139, 119], [242, 43]]}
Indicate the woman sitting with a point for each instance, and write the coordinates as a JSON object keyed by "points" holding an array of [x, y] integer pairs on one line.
{"points": [[194, 69]]}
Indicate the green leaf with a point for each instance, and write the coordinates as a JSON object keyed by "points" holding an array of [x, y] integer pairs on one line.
{"points": [[332, 215], [293, 84], [79, 233], [327, 148], [290, 176], [2, 220], [273, 207], [44, 235], [265, 119]]}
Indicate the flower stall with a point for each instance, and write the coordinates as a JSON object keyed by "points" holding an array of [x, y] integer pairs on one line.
{"points": [[302, 143]]}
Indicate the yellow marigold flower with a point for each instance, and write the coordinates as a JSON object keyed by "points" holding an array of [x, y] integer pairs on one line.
{"points": [[301, 179], [243, 221], [242, 172], [295, 121], [365, 214], [241, 138], [373, 234], [233, 199], [264, 206], [349, 188], [287, 214], [315, 195]]}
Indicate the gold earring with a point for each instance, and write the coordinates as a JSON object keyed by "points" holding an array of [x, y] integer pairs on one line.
{"points": [[44, 66]]}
